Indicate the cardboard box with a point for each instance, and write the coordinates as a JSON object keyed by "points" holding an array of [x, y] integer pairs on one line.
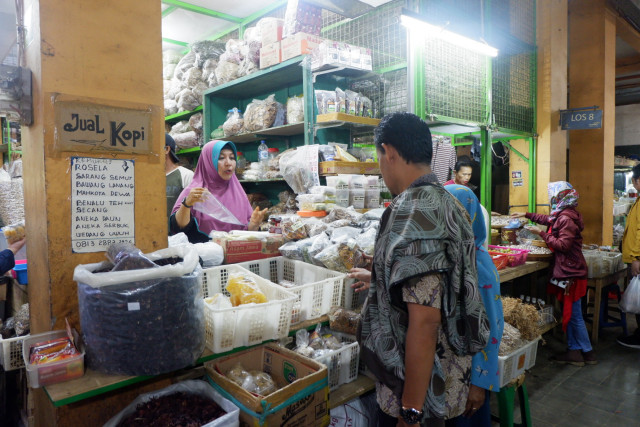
{"points": [[335, 167], [270, 55], [294, 374], [249, 250], [299, 44], [271, 30]]}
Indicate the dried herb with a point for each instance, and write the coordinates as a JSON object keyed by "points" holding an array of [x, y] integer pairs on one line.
{"points": [[174, 410], [143, 327]]}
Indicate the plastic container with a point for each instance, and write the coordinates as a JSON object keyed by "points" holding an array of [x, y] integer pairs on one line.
{"points": [[516, 256], [241, 163], [55, 372], [248, 324], [350, 299], [514, 364], [272, 153], [357, 198], [342, 365], [500, 261], [263, 157], [317, 289], [21, 273], [11, 353]]}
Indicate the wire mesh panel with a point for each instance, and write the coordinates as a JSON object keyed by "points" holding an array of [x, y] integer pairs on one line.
{"points": [[378, 30], [455, 82], [513, 85]]}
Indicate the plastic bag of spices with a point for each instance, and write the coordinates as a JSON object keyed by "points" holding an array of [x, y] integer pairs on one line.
{"points": [[144, 321]]}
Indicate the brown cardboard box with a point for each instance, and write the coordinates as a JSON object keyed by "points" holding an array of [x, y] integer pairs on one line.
{"points": [[249, 250], [295, 375], [270, 55], [271, 31], [298, 44]]}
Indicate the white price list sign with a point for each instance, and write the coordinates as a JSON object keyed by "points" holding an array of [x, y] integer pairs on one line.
{"points": [[102, 203]]}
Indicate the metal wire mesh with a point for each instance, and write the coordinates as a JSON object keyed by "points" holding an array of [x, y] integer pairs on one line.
{"points": [[513, 85], [378, 30], [456, 82]]}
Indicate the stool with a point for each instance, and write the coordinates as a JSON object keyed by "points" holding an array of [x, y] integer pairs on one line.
{"points": [[506, 403], [607, 320]]}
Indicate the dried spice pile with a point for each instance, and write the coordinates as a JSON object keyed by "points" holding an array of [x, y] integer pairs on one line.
{"points": [[524, 317], [174, 410]]}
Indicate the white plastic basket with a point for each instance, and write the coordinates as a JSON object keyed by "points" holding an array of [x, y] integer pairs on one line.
{"points": [[514, 364], [248, 324], [352, 300], [11, 354], [317, 289], [342, 364]]}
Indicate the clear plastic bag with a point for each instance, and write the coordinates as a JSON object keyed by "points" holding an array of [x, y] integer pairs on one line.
{"points": [[259, 383], [367, 240], [226, 71], [187, 100], [192, 76], [329, 257], [206, 49], [293, 228], [211, 254], [299, 168], [343, 320], [292, 250], [295, 109], [320, 242], [244, 290], [185, 63], [343, 234], [186, 139], [234, 123], [125, 257], [341, 101], [211, 206], [260, 114], [218, 301], [14, 232], [630, 302], [170, 107]]}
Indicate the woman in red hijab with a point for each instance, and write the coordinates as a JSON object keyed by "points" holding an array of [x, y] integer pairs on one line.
{"points": [[214, 174]]}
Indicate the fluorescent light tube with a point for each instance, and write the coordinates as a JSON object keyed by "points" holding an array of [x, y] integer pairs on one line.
{"points": [[419, 27]]}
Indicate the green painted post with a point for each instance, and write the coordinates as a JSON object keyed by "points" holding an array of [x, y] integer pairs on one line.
{"points": [[309, 103], [533, 168], [485, 168]]}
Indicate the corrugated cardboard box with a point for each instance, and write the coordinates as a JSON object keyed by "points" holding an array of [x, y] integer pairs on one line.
{"points": [[270, 55], [236, 250], [299, 44], [302, 398], [271, 31]]}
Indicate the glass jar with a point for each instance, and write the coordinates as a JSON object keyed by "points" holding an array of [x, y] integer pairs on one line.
{"points": [[273, 153]]}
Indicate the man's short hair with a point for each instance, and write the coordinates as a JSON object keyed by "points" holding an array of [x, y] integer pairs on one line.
{"points": [[408, 133]]}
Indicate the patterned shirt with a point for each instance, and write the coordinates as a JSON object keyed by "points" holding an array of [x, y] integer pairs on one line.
{"points": [[444, 158], [457, 369]]}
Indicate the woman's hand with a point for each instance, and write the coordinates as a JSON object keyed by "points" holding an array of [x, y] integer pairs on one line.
{"points": [[635, 268], [363, 279], [534, 229], [518, 215], [475, 400], [197, 194], [17, 245], [256, 219]]}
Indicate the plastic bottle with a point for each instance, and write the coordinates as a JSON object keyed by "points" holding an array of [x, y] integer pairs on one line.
{"points": [[263, 158]]}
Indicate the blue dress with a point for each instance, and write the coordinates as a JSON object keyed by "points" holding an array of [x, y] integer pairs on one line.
{"points": [[484, 368]]}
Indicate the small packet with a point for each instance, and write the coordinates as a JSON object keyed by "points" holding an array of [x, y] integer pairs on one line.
{"points": [[343, 320]]}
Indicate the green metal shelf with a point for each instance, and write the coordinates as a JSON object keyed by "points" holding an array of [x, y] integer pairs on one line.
{"points": [[174, 118], [193, 150], [260, 82], [286, 130]]}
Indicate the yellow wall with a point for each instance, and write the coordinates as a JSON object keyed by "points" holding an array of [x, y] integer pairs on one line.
{"points": [[518, 195]]}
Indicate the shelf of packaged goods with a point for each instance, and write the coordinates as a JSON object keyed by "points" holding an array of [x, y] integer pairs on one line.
{"points": [[343, 119], [183, 115], [344, 71], [261, 82], [286, 130]]}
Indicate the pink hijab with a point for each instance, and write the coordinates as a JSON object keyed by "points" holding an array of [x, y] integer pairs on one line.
{"points": [[230, 193]]}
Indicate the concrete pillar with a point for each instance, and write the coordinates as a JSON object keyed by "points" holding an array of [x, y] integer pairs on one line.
{"points": [[592, 41], [110, 53], [552, 32]]}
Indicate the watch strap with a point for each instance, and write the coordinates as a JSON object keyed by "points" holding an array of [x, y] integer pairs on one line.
{"points": [[184, 203]]}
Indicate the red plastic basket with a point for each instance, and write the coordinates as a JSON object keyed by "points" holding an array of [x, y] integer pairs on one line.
{"points": [[516, 256], [500, 260]]}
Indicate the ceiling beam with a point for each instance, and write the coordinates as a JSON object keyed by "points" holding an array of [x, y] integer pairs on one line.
{"points": [[169, 11], [176, 42], [628, 33], [627, 60], [202, 10], [628, 69]]}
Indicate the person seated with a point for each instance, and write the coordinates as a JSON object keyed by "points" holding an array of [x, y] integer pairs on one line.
{"points": [[215, 174], [7, 256], [462, 172]]}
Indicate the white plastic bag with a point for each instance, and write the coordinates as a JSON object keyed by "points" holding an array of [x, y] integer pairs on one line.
{"points": [[630, 302], [201, 388]]}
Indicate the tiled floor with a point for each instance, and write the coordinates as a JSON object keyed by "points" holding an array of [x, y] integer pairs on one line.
{"points": [[606, 394]]}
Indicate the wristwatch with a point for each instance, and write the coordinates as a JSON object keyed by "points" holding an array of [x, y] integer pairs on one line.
{"points": [[184, 203], [411, 415]]}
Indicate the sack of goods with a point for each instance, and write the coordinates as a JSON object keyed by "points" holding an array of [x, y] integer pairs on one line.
{"points": [[142, 314]]}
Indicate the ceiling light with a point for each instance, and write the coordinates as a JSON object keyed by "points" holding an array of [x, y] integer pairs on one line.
{"points": [[418, 26]]}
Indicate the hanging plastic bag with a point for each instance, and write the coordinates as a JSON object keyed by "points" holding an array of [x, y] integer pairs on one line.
{"points": [[212, 207], [630, 302]]}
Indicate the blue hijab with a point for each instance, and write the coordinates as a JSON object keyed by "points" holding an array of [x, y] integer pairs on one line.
{"points": [[485, 364]]}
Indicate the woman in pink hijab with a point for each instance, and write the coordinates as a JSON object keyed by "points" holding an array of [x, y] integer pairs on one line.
{"points": [[215, 174]]}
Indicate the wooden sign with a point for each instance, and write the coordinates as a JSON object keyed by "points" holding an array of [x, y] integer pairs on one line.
{"points": [[102, 203], [87, 127]]}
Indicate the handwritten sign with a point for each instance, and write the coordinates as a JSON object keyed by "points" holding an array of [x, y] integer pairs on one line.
{"points": [[86, 127], [102, 203]]}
